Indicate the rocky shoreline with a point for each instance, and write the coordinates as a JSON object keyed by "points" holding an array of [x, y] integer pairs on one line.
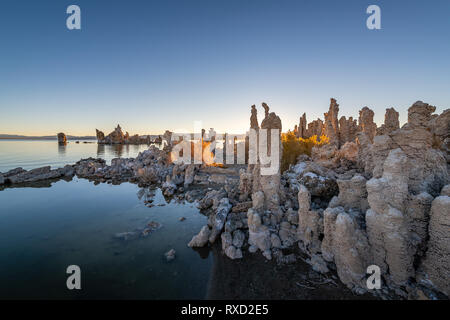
{"points": [[372, 196]]}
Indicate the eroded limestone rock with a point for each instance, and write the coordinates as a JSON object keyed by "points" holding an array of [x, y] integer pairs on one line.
{"points": [[391, 122], [310, 223], [346, 244], [259, 235], [437, 262], [349, 151], [366, 123], [352, 193], [387, 223]]}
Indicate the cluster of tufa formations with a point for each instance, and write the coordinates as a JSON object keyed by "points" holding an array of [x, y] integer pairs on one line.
{"points": [[371, 196]]}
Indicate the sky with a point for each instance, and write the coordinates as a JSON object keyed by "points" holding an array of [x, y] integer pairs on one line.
{"points": [[157, 65]]}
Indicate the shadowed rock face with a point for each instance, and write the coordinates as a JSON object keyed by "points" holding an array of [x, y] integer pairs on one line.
{"points": [[331, 124], [315, 128], [347, 130], [366, 124], [391, 122], [302, 133], [100, 135]]}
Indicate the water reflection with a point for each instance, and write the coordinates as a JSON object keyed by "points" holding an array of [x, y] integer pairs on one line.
{"points": [[100, 150], [62, 149], [119, 150]]}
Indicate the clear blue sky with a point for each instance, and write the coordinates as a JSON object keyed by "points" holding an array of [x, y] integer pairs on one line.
{"points": [[156, 65]]}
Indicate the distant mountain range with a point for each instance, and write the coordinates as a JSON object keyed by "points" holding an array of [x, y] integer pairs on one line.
{"points": [[16, 136]]}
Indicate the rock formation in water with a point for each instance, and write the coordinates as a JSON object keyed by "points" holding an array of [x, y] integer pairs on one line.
{"points": [[62, 138], [366, 124], [100, 135], [118, 137], [21, 176], [391, 122]]}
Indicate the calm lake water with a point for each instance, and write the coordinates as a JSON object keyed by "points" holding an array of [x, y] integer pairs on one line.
{"points": [[33, 154], [47, 227], [44, 230]]}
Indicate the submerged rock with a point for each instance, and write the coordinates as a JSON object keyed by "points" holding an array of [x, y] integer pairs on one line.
{"points": [[143, 232], [130, 235], [391, 122], [170, 255], [352, 193]]}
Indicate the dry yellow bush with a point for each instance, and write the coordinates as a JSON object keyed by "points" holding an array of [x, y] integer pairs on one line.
{"points": [[293, 147]]}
